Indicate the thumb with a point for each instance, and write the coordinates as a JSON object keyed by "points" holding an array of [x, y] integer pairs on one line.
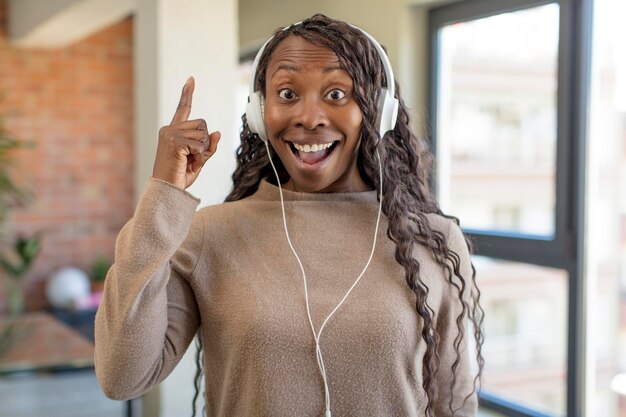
{"points": [[200, 160]]}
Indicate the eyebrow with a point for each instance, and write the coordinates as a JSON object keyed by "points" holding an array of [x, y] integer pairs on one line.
{"points": [[288, 68], [292, 68]]}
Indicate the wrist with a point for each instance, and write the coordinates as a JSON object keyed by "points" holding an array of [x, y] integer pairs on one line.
{"points": [[168, 180]]}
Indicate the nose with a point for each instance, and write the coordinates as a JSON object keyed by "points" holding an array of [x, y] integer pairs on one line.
{"points": [[310, 113]]}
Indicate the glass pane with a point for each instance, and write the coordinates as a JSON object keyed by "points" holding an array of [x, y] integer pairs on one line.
{"points": [[525, 347], [606, 213], [496, 124]]}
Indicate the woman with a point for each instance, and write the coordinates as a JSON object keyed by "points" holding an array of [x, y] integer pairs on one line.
{"points": [[395, 342]]}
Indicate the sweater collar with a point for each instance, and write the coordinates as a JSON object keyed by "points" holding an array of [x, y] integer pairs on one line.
{"points": [[270, 192]]}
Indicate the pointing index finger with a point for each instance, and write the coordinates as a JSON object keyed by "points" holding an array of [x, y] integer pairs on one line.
{"points": [[184, 105]]}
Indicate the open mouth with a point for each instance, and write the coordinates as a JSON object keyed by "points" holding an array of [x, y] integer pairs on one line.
{"points": [[313, 154]]}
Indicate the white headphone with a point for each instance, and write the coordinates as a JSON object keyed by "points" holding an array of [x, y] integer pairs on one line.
{"points": [[388, 104]]}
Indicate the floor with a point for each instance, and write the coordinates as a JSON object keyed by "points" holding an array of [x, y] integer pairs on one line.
{"points": [[74, 394]]}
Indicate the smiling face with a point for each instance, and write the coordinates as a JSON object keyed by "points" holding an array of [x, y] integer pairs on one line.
{"points": [[312, 119]]}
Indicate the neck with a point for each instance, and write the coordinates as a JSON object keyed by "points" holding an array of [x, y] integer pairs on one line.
{"points": [[351, 183]]}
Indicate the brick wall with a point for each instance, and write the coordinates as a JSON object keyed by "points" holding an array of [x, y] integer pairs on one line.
{"points": [[76, 104]]}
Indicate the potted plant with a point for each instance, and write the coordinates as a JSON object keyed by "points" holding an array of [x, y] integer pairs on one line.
{"points": [[98, 273]]}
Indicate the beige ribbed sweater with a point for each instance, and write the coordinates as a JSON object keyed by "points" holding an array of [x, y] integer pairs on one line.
{"points": [[228, 269]]}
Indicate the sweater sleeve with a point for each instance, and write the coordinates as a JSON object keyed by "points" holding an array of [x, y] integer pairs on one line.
{"points": [[148, 314], [460, 392]]}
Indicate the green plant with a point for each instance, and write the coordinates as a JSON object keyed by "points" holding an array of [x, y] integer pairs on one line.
{"points": [[15, 263], [99, 269], [20, 260], [11, 194], [17, 256]]}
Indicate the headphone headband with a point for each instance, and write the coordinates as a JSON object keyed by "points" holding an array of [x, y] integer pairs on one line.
{"points": [[388, 104]]}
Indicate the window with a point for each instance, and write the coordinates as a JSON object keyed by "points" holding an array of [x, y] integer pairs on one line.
{"points": [[496, 119], [606, 214], [526, 328], [508, 81]]}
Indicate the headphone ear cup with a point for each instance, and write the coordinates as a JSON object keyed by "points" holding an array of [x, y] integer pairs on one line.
{"points": [[388, 106], [254, 115]]}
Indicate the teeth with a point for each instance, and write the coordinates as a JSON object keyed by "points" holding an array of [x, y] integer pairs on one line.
{"points": [[312, 148]]}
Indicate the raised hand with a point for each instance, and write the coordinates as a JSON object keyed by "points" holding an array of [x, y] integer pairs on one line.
{"points": [[184, 145]]}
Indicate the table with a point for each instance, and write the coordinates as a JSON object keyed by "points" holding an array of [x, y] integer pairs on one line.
{"points": [[38, 342]]}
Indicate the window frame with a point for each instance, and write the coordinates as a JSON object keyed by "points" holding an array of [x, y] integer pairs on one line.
{"points": [[566, 249]]}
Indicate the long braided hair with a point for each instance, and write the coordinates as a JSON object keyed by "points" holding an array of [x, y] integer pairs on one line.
{"points": [[407, 164]]}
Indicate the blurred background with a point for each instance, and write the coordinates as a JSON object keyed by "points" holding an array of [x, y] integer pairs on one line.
{"points": [[524, 102]]}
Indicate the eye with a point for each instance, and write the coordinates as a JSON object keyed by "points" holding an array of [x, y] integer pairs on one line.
{"points": [[286, 94], [336, 94]]}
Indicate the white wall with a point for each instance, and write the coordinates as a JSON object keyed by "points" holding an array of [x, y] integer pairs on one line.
{"points": [[258, 19], [175, 39]]}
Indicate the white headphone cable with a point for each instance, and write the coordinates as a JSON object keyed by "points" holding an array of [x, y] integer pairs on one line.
{"points": [[320, 360]]}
